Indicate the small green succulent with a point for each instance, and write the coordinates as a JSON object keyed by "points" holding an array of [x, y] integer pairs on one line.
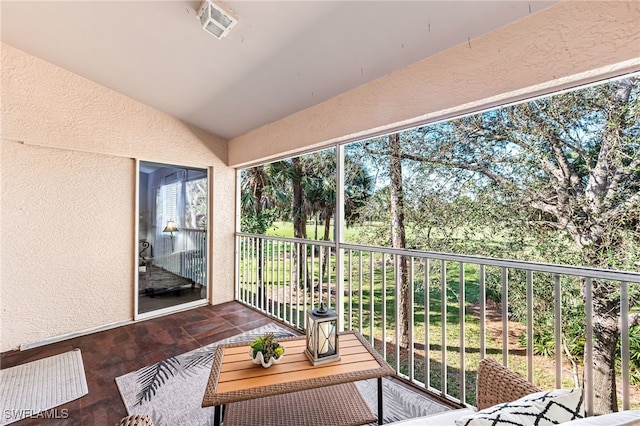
{"points": [[268, 345]]}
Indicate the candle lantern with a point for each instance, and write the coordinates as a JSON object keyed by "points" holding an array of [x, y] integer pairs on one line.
{"points": [[322, 335]]}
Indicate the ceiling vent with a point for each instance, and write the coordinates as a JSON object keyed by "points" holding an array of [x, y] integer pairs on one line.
{"points": [[216, 19]]}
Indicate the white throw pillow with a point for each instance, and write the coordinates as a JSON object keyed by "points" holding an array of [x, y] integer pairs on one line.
{"points": [[538, 409], [559, 406]]}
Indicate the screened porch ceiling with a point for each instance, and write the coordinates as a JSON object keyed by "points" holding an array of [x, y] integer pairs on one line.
{"points": [[282, 56]]}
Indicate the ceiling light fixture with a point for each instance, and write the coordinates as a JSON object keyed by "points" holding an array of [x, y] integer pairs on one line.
{"points": [[216, 19]]}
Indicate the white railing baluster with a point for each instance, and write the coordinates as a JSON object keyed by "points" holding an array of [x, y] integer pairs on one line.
{"points": [[265, 275], [427, 324], [262, 275], [504, 279], [238, 259], [350, 291], [273, 278], [461, 305], [247, 269], [295, 262], [396, 302], [624, 342], [383, 319], [329, 283], [443, 325], [278, 263], [313, 276], [305, 280], [254, 272], [287, 255], [483, 313], [412, 320], [371, 299], [321, 278], [243, 269], [530, 326], [588, 349], [557, 300], [360, 282]]}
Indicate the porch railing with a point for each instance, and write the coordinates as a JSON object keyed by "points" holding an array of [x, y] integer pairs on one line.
{"points": [[184, 255], [460, 309]]}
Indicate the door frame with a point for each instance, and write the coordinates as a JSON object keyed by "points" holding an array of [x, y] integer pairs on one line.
{"points": [[137, 316]]}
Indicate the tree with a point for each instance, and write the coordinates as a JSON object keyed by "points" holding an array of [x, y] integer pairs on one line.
{"points": [[297, 211], [319, 190], [398, 237], [196, 204], [573, 158], [296, 189], [256, 217], [391, 148]]}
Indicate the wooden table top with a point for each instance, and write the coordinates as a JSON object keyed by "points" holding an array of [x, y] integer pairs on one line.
{"points": [[234, 377]]}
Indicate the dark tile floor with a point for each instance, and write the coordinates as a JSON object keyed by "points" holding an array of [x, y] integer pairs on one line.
{"points": [[112, 353]]}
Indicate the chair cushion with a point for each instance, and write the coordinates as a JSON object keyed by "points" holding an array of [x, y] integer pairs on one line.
{"points": [[622, 418], [540, 409], [442, 419]]}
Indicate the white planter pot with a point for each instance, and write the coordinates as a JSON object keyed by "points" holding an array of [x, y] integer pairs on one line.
{"points": [[259, 359]]}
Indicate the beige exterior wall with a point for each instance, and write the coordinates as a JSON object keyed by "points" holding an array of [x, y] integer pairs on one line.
{"points": [[67, 216], [570, 43]]}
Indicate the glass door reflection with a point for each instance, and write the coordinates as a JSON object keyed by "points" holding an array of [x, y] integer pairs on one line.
{"points": [[172, 238]]}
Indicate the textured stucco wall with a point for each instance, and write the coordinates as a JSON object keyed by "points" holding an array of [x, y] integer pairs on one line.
{"points": [[569, 43], [67, 215]]}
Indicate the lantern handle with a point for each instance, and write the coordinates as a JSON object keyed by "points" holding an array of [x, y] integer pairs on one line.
{"points": [[322, 309]]}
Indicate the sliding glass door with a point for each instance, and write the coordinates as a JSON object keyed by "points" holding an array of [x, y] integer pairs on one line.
{"points": [[172, 237]]}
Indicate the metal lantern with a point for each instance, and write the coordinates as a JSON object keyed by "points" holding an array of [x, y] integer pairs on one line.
{"points": [[216, 19], [322, 335]]}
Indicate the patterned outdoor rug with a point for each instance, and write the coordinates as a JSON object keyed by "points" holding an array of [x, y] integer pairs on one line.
{"points": [[29, 389], [171, 391]]}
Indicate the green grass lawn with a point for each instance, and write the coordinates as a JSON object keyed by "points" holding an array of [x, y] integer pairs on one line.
{"points": [[285, 229]]}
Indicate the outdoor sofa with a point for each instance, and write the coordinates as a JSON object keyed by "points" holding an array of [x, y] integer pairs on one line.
{"points": [[504, 398]]}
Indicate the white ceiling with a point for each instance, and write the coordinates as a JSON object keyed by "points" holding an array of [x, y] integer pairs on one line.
{"points": [[282, 56]]}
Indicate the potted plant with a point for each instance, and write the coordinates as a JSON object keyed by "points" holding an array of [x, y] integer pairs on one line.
{"points": [[266, 350]]}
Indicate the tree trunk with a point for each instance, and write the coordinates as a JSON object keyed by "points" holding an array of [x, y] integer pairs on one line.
{"points": [[398, 238], [328, 214], [605, 333], [315, 228], [299, 220], [606, 308], [259, 182], [595, 238]]}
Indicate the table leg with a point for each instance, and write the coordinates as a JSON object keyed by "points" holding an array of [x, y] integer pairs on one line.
{"points": [[380, 417], [218, 415]]}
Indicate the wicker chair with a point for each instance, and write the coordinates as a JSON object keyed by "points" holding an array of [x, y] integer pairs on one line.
{"points": [[497, 384]]}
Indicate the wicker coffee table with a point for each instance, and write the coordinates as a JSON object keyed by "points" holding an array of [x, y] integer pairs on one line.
{"points": [[294, 384]]}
